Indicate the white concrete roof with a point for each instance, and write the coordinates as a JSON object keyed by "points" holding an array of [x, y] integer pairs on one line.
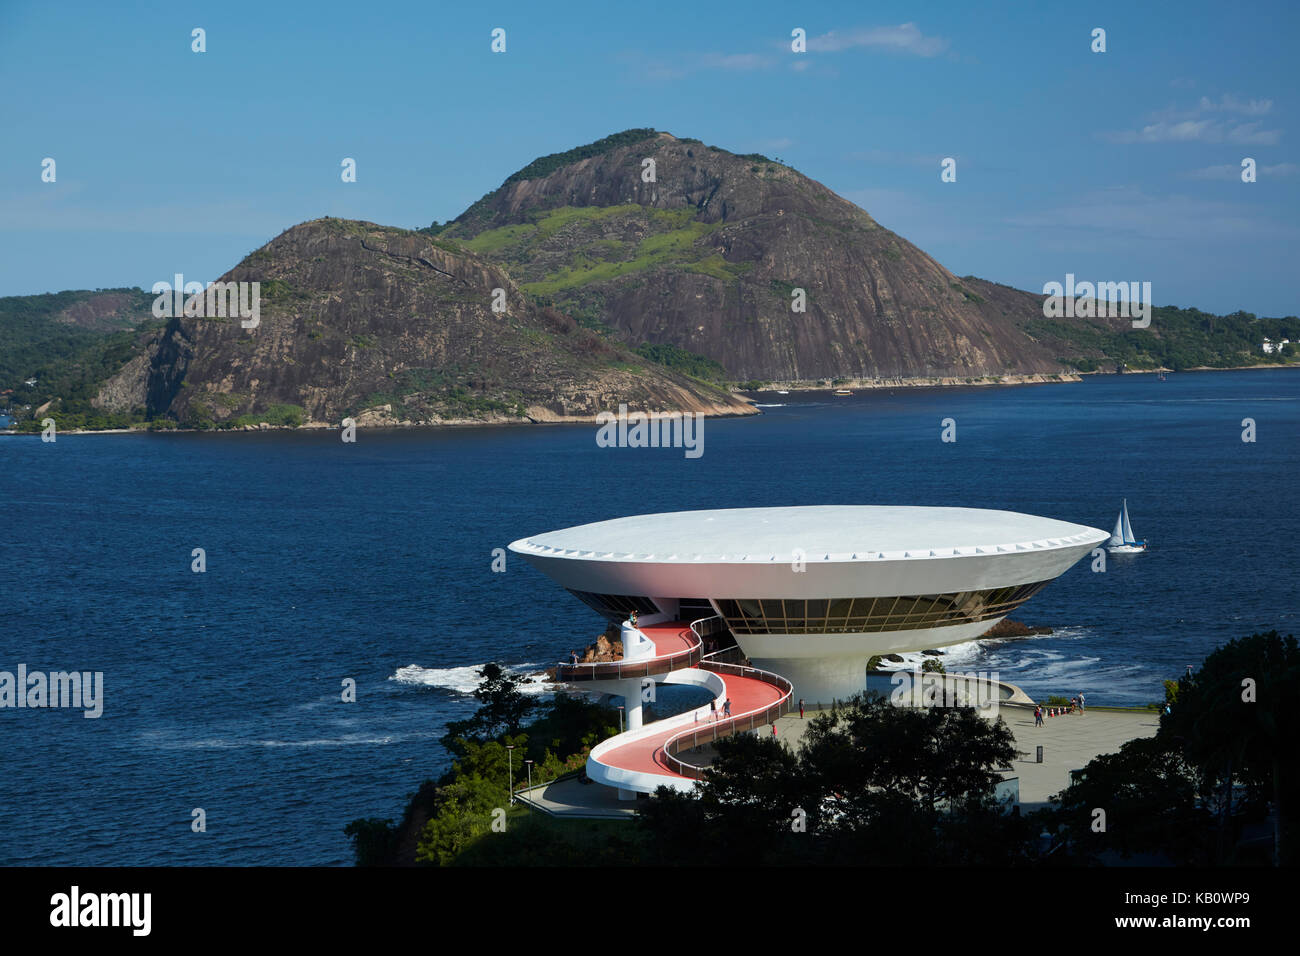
{"points": [[822, 532]]}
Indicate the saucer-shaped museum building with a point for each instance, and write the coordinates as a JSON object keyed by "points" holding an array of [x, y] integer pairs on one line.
{"points": [[812, 593]]}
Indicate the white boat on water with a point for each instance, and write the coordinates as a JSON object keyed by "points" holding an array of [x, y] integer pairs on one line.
{"points": [[1121, 539]]}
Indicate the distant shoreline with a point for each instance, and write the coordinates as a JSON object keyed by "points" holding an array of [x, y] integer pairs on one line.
{"points": [[1045, 378], [869, 384], [773, 388], [370, 426]]}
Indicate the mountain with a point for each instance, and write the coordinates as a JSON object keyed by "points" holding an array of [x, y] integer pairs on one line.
{"points": [[641, 269], [388, 326], [707, 256], [38, 329], [66, 342]]}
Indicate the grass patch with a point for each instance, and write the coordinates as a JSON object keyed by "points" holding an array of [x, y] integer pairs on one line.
{"points": [[290, 415], [719, 268], [673, 246], [494, 241], [684, 361]]}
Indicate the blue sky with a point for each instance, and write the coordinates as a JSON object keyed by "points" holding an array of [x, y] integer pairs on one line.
{"points": [[1123, 165]]}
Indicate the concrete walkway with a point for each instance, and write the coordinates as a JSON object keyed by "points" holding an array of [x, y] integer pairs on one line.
{"points": [[572, 798]]}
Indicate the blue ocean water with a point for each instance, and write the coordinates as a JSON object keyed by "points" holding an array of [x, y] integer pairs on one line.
{"points": [[372, 561]]}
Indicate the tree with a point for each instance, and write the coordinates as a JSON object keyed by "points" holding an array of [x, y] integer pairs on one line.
{"points": [[679, 829], [462, 803], [465, 813], [934, 755], [1171, 692], [875, 784], [373, 840], [1148, 793], [503, 711], [1236, 720], [741, 812]]}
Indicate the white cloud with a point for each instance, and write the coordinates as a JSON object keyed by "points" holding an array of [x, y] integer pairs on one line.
{"points": [[1166, 132], [1176, 125], [1230, 104], [1251, 134], [1232, 172], [904, 38]]}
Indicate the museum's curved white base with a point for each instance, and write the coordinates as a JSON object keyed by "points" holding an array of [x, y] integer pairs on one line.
{"points": [[826, 667]]}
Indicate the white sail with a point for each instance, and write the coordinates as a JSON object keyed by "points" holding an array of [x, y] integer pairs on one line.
{"points": [[1117, 536], [1128, 528]]}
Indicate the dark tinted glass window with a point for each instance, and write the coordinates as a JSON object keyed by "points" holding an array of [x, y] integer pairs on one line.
{"points": [[616, 607], [868, 615]]}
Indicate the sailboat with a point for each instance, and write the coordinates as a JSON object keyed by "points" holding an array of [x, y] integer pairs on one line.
{"points": [[1121, 539]]}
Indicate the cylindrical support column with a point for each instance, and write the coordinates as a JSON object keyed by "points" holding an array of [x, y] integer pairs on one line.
{"points": [[631, 689], [632, 702]]}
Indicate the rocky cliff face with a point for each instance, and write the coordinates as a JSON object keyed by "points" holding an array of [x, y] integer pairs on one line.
{"points": [[389, 326], [708, 256]]}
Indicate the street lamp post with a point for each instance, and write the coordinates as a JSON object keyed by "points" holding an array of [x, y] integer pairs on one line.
{"points": [[530, 774], [620, 718], [510, 756]]}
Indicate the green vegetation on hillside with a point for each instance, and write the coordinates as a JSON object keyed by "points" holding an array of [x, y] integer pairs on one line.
{"points": [[545, 165], [69, 362], [671, 240], [416, 392], [283, 415], [1176, 339], [685, 362], [33, 340], [450, 820]]}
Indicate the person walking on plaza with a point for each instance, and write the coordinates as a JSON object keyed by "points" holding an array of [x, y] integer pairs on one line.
{"points": [[801, 707], [713, 710], [632, 618], [726, 707], [1038, 716], [774, 730], [1081, 707]]}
